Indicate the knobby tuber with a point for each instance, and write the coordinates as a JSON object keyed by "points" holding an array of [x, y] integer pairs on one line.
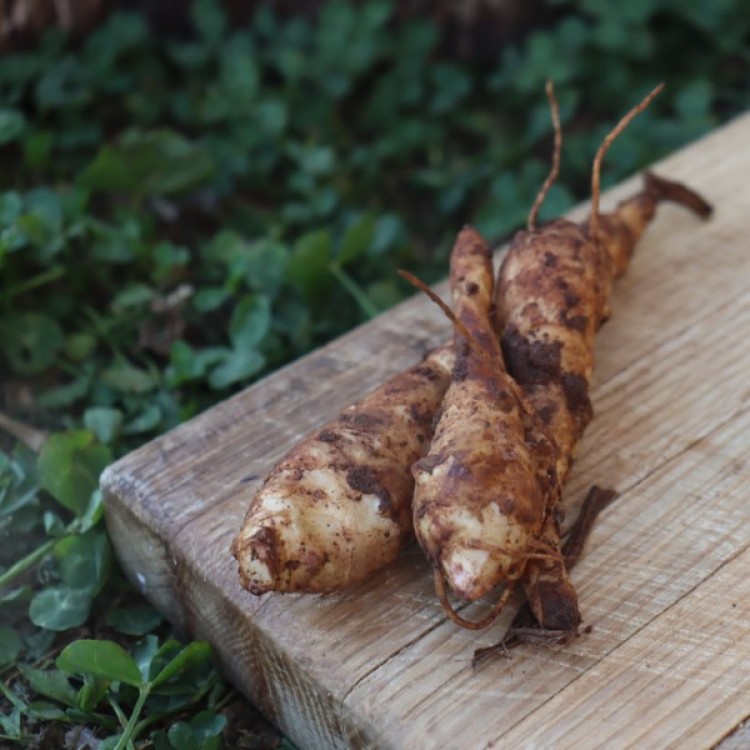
{"points": [[508, 403], [552, 296], [337, 507], [481, 490]]}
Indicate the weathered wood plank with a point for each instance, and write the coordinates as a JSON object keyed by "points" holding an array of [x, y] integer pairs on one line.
{"points": [[678, 683], [656, 544], [738, 739], [378, 665], [358, 634]]}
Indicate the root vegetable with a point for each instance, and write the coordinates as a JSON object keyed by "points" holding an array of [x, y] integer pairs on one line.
{"points": [[337, 507], [481, 490], [551, 298], [487, 504]]}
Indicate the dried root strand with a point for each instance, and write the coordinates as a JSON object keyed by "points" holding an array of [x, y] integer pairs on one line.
{"points": [[606, 143], [543, 551], [517, 636], [555, 169], [675, 192], [487, 620], [597, 499], [524, 628], [461, 329], [442, 595]]}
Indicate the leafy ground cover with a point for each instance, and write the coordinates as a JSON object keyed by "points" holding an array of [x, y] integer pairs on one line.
{"points": [[180, 216]]}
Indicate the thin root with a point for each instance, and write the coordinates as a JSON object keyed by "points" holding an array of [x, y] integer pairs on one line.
{"points": [[483, 655], [542, 551], [555, 170], [595, 502], [524, 628], [519, 635], [460, 327], [606, 143], [442, 596]]}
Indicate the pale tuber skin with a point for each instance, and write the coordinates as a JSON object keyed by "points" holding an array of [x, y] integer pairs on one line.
{"points": [[479, 499], [337, 507]]}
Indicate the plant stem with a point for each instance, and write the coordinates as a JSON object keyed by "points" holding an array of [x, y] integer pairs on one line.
{"points": [[129, 734], [351, 286], [10, 696], [53, 274], [33, 438], [121, 718], [119, 713], [156, 717], [229, 696], [25, 563]]}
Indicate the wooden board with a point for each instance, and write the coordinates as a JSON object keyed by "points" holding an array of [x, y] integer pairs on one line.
{"points": [[664, 582]]}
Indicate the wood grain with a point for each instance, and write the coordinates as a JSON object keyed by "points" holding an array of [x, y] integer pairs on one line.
{"points": [[667, 661], [738, 739]]}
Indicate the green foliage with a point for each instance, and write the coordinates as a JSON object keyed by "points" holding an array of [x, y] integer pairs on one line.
{"points": [[148, 163], [10, 645], [198, 211], [30, 341], [202, 733], [76, 548], [103, 659], [180, 216], [69, 466], [123, 692], [134, 620]]}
